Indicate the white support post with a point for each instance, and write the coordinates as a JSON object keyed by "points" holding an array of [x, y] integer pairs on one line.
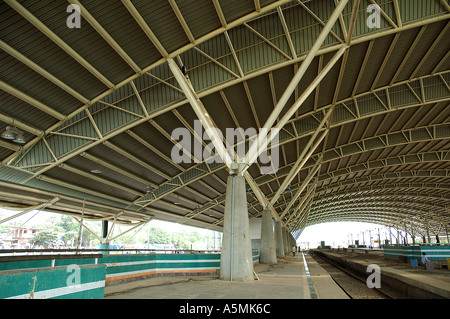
{"points": [[58, 41], [201, 113], [80, 231], [89, 230], [260, 195], [304, 200], [210, 128], [304, 156], [134, 227], [262, 140], [29, 209], [308, 178], [253, 151], [284, 120]]}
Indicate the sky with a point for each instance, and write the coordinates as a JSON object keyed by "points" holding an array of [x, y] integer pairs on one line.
{"points": [[340, 233]]}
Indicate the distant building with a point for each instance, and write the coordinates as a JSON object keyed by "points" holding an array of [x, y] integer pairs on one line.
{"points": [[18, 238]]}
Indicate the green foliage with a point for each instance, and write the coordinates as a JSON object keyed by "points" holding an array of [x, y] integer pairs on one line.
{"points": [[46, 234], [66, 228], [158, 235], [185, 240], [181, 240]]}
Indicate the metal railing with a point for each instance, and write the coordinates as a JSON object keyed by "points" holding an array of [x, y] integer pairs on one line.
{"points": [[7, 255], [68, 251]]}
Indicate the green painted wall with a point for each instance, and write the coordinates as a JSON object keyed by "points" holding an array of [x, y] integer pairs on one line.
{"points": [[433, 253], [16, 278], [77, 282]]}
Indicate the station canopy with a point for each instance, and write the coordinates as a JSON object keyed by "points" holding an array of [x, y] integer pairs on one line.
{"points": [[90, 101]]}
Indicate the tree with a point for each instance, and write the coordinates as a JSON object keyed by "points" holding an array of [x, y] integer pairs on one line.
{"points": [[69, 229], [158, 236], [47, 234], [186, 240]]}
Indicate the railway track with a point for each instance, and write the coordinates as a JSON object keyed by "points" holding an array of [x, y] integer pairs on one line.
{"points": [[354, 285]]}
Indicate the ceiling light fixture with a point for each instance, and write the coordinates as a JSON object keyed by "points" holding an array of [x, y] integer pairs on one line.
{"points": [[8, 135], [14, 134], [19, 139]]}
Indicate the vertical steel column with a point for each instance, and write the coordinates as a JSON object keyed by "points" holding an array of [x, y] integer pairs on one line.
{"points": [[104, 229], [104, 244]]}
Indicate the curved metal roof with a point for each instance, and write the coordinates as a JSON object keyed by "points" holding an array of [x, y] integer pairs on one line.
{"points": [[97, 105]]}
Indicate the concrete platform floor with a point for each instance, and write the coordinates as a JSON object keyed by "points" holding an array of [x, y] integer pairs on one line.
{"points": [[288, 279]]}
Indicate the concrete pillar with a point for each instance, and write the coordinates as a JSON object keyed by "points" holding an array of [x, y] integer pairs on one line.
{"points": [[291, 241], [294, 242], [268, 249], [236, 262], [285, 241], [279, 239]]}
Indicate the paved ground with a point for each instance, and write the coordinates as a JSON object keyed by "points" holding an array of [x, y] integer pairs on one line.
{"points": [[285, 280]]}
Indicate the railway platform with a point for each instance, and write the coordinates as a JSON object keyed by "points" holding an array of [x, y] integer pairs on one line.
{"points": [[409, 281], [298, 277]]}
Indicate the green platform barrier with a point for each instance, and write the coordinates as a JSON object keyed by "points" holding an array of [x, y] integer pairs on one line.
{"points": [[63, 282], [433, 253], [51, 271]]}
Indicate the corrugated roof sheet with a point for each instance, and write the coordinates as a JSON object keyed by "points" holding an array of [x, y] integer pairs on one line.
{"points": [[114, 17]]}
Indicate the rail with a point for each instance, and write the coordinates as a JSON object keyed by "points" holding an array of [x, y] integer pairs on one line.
{"points": [[351, 273]]}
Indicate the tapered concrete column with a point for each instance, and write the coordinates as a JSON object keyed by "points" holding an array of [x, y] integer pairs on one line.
{"points": [[285, 241], [279, 239], [268, 254], [236, 262], [289, 242], [293, 243]]}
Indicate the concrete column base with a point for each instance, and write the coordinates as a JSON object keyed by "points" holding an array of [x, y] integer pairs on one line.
{"points": [[268, 254], [236, 262], [285, 241], [279, 239], [104, 246]]}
